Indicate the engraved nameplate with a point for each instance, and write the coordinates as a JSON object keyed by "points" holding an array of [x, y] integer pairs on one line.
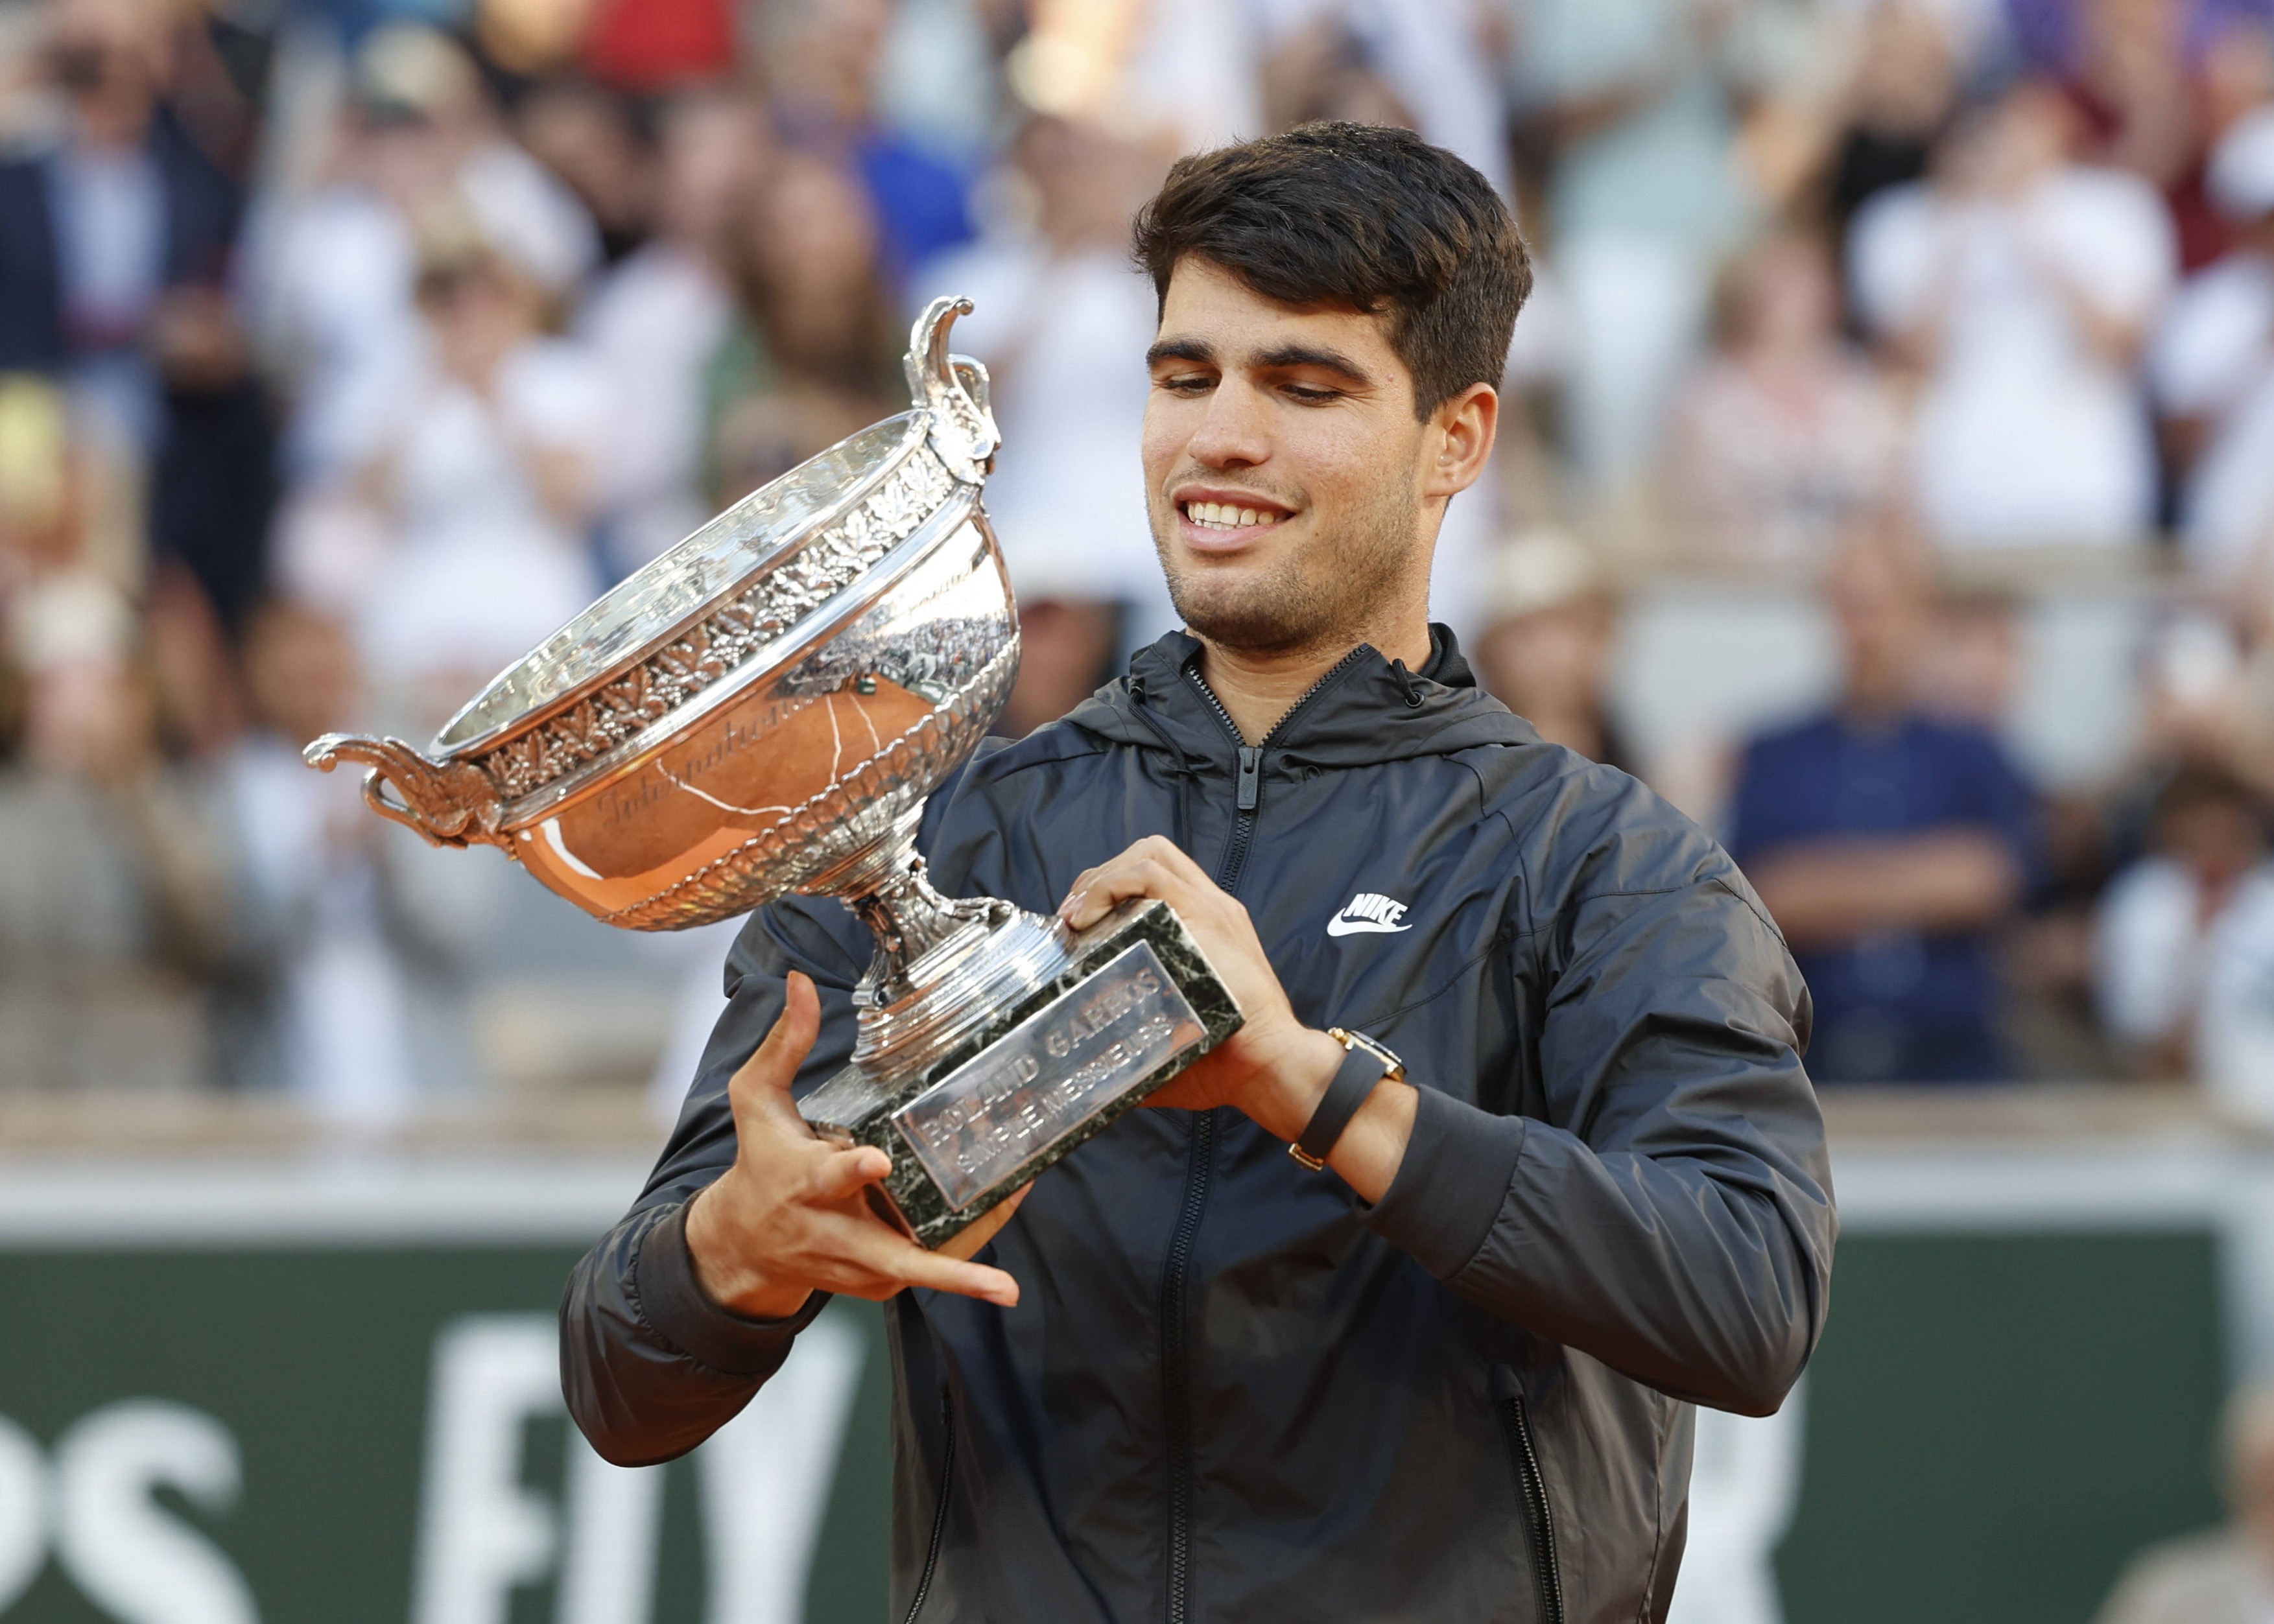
{"points": [[1050, 1074]]}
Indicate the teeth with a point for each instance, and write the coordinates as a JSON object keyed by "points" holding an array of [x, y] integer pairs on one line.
{"points": [[1218, 516]]}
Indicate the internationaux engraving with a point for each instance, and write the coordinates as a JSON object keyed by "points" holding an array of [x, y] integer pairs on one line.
{"points": [[1050, 1075]]}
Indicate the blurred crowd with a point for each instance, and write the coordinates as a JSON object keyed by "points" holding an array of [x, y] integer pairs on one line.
{"points": [[348, 347]]}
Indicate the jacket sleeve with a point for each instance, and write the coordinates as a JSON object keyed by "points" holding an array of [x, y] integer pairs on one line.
{"points": [[650, 1366], [1672, 1216]]}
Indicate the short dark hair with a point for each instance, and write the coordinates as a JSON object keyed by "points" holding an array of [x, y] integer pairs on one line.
{"points": [[1367, 217]]}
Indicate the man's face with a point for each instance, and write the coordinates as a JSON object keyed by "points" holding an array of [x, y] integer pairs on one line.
{"points": [[1284, 466]]}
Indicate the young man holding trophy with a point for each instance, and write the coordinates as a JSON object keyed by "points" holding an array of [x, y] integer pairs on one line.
{"points": [[1396, 1306]]}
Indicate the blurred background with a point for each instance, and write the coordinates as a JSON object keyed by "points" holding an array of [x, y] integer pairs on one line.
{"points": [[1888, 479]]}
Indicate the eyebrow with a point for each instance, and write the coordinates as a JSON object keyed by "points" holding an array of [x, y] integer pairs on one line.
{"points": [[1305, 355], [1181, 349], [1286, 356]]}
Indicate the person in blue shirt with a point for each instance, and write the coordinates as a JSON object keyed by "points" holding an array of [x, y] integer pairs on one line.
{"points": [[1889, 845]]}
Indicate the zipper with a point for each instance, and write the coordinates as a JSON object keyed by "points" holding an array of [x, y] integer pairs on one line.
{"points": [[1539, 1526], [1175, 1381], [939, 1512], [1249, 793], [1176, 1272]]}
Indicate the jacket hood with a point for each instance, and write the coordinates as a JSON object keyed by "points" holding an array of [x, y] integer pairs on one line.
{"points": [[1367, 710]]}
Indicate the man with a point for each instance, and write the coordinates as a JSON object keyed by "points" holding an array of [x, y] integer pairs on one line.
{"points": [[116, 244], [1890, 844], [1443, 1376]]}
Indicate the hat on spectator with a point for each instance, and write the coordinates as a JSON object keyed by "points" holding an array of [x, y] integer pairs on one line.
{"points": [[1537, 570], [405, 70], [2241, 180]]}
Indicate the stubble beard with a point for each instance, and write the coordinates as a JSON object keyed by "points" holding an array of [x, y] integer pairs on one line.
{"points": [[1329, 594]]}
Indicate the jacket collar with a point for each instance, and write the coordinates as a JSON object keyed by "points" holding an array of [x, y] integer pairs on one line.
{"points": [[1365, 710]]}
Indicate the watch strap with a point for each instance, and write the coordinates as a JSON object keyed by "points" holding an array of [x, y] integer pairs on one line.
{"points": [[1353, 1083]]}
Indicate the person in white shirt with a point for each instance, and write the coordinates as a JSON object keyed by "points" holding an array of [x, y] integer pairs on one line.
{"points": [[2167, 918], [333, 272], [1058, 310], [486, 469], [2020, 286], [655, 320], [2213, 369]]}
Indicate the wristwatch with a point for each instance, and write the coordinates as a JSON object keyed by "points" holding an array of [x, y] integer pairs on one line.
{"points": [[1365, 1063]]}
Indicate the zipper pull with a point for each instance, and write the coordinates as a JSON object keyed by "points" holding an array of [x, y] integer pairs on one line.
{"points": [[1251, 776]]}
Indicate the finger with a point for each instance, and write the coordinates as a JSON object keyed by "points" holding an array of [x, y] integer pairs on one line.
{"points": [[1157, 846], [879, 1250], [765, 1076], [1174, 857], [845, 1173], [1119, 881], [967, 1244]]}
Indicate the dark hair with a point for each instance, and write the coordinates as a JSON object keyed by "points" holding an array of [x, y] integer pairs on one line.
{"points": [[1365, 217]]}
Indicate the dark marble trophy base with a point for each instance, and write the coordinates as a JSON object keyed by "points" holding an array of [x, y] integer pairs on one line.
{"points": [[1136, 1003]]}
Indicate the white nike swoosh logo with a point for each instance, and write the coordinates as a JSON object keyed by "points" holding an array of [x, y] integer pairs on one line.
{"points": [[1340, 927]]}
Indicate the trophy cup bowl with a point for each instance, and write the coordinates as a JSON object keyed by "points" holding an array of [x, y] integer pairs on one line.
{"points": [[763, 711]]}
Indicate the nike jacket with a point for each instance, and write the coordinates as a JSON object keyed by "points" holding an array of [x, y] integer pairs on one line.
{"points": [[1233, 1392]]}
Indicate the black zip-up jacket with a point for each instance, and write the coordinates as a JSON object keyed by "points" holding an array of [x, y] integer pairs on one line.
{"points": [[1232, 1391]]}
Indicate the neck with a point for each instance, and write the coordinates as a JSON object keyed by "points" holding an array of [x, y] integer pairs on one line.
{"points": [[1875, 703], [1256, 688]]}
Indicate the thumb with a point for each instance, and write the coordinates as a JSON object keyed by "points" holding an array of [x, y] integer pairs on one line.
{"points": [[764, 1082]]}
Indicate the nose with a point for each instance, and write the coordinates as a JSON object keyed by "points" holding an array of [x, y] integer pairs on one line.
{"points": [[1231, 432]]}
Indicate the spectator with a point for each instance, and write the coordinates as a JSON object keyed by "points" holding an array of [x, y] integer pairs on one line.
{"points": [[1890, 845], [1547, 642], [338, 268], [814, 355], [1434, 66], [590, 138], [112, 893], [487, 472], [2225, 1576], [2150, 104], [115, 243], [1062, 319], [1898, 101], [823, 59], [2130, 87], [1785, 441], [656, 319], [339, 988], [2159, 916], [1635, 98], [2018, 286], [2214, 370]]}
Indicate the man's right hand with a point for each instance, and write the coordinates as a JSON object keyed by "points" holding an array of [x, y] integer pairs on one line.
{"points": [[792, 1217]]}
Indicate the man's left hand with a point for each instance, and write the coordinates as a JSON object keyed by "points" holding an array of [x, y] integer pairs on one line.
{"points": [[1274, 1068]]}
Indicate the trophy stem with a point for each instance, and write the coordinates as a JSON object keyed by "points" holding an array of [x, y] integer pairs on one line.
{"points": [[941, 964]]}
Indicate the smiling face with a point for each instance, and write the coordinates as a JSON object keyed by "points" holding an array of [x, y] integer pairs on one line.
{"points": [[1294, 495]]}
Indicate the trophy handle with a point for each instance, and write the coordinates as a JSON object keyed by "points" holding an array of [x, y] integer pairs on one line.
{"points": [[952, 391], [449, 803]]}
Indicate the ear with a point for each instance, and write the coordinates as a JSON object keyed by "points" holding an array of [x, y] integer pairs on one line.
{"points": [[1458, 441]]}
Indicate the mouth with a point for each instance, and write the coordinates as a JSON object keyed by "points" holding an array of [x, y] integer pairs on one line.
{"points": [[1234, 519]]}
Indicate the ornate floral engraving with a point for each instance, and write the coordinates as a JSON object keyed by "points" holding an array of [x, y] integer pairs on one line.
{"points": [[730, 635]]}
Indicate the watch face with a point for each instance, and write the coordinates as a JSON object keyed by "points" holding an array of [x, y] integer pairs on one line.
{"points": [[1393, 1065]]}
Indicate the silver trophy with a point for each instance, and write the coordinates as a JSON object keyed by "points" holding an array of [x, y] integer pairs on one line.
{"points": [[763, 711]]}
